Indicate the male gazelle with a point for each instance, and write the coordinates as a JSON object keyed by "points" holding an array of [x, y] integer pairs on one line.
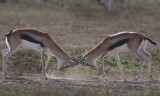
{"points": [[108, 3], [116, 43], [38, 41]]}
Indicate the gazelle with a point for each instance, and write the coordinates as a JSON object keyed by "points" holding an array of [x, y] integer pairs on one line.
{"points": [[116, 43], [38, 41], [108, 3]]}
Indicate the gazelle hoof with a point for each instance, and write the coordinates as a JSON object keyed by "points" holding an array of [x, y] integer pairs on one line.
{"points": [[45, 78], [150, 76], [124, 79], [5, 77]]}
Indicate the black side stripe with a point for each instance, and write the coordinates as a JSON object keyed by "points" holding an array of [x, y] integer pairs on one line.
{"points": [[30, 39], [119, 43]]}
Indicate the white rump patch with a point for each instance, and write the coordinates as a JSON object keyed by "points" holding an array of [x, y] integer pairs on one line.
{"points": [[7, 43]]}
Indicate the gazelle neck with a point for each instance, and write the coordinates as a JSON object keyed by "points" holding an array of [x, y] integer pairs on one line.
{"points": [[94, 53], [57, 51]]}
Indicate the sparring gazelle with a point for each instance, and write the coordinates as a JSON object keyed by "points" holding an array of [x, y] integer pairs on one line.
{"points": [[133, 42], [108, 3], [38, 41]]}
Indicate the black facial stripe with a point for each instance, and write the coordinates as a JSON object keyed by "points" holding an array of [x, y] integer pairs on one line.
{"points": [[28, 38], [119, 43]]}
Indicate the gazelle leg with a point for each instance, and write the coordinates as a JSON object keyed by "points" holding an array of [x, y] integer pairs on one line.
{"points": [[132, 5], [125, 3], [47, 61], [117, 3], [137, 52], [6, 53], [5, 57], [141, 58], [120, 67], [102, 60], [108, 4], [149, 62], [43, 61]]}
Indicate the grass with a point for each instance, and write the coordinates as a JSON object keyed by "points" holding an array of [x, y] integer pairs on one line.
{"points": [[29, 61], [76, 26]]}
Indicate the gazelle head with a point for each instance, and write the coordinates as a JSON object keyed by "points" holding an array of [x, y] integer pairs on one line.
{"points": [[68, 63], [86, 61]]}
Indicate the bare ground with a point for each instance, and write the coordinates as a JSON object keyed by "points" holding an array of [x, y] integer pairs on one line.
{"points": [[109, 83]]}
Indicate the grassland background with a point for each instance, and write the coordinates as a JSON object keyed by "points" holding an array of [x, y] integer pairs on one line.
{"points": [[77, 25]]}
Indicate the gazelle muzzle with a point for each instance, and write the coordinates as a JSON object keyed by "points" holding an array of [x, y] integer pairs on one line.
{"points": [[74, 61]]}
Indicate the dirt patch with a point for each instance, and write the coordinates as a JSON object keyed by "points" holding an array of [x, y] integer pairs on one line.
{"points": [[98, 82]]}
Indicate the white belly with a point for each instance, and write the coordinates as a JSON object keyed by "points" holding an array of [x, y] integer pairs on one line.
{"points": [[123, 48], [30, 45]]}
